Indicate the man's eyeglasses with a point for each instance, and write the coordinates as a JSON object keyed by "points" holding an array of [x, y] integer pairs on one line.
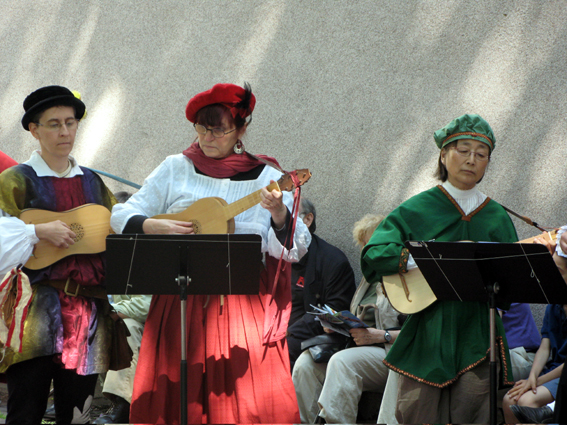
{"points": [[70, 124], [216, 132]]}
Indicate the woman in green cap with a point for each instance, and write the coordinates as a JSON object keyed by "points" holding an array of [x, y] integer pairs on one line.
{"points": [[441, 354]]}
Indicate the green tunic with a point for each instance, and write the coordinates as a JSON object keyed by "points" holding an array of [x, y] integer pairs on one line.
{"points": [[449, 338]]}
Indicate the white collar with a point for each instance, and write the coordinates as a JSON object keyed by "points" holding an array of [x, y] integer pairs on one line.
{"points": [[42, 169], [457, 193]]}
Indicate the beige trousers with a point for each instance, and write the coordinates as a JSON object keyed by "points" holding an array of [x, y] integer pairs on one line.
{"points": [[521, 363], [333, 389], [387, 413]]}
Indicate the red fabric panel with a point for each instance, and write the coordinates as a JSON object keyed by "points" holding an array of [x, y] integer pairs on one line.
{"points": [[70, 193], [76, 313], [5, 161]]}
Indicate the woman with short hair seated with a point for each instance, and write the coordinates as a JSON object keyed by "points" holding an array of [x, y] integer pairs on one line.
{"points": [[332, 390]]}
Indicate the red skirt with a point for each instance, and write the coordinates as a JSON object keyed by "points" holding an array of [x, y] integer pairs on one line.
{"points": [[232, 376]]}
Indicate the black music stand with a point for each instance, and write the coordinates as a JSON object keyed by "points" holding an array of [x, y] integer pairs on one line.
{"points": [[490, 272], [225, 264]]}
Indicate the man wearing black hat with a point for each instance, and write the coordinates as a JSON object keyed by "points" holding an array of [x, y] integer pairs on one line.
{"points": [[66, 334]]}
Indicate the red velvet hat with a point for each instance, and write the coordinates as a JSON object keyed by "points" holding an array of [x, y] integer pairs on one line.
{"points": [[238, 100]]}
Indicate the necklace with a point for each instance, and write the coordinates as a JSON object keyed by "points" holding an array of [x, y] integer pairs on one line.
{"points": [[67, 171]]}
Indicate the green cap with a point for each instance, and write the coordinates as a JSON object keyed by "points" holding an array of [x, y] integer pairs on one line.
{"points": [[468, 126]]}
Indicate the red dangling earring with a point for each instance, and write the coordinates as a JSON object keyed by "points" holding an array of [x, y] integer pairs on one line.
{"points": [[238, 147]]}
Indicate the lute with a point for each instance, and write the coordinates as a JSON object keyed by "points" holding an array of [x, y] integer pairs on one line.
{"points": [[214, 215], [410, 293], [89, 222]]}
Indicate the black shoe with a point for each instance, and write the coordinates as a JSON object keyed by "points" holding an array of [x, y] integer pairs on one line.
{"points": [[532, 415], [119, 413]]}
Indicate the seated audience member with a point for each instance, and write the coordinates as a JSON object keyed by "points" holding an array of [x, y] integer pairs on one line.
{"points": [[322, 276], [535, 415], [6, 161], [552, 412], [333, 390], [119, 384], [560, 410], [541, 386], [523, 338]]}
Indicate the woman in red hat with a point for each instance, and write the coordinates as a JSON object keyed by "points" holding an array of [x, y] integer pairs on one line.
{"points": [[238, 364]]}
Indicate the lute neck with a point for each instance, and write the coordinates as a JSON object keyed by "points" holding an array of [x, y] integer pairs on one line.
{"points": [[243, 204], [551, 236]]}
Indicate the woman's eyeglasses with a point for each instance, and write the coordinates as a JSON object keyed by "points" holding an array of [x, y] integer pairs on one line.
{"points": [[216, 132], [57, 126]]}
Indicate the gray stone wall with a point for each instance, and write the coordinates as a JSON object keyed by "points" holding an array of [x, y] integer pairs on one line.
{"points": [[352, 90]]}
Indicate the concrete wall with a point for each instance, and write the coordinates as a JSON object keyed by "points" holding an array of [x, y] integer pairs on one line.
{"points": [[352, 90]]}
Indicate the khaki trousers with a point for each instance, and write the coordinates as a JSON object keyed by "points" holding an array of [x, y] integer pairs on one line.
{"points": [[521, 363], [333, 389], [387, 413]]}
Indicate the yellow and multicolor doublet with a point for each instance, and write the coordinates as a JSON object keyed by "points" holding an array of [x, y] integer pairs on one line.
{"points": [[74, 327]]}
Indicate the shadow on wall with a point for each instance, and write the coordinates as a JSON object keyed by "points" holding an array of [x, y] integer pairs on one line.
{"points": [[351, 90]]}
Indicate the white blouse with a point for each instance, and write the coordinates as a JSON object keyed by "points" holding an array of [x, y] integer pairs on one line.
{"points": [[174, 185]]}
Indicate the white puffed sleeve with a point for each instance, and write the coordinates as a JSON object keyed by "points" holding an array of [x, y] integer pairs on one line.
{"points": [[301, 241], [150, 200], [17, 241], [557, 247]]}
